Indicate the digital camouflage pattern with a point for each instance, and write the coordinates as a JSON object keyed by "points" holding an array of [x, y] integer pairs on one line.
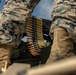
{"points": [[13, 19], [64, 15]]}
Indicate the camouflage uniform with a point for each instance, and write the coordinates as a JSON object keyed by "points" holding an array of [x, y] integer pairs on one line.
{"points": [[63, 29], [13, 19]]}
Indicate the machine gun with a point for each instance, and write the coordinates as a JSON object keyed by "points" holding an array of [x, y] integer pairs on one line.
{"points": [[37, 41]]}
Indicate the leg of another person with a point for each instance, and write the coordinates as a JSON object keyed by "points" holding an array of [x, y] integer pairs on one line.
{"points": [[62, 46]]}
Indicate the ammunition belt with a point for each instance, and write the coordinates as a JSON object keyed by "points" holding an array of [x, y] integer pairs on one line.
{"points": [[35, 40]]}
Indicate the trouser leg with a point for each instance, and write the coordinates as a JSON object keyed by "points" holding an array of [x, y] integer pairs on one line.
{"points": [[13, 20], [5, 55], [12, 23], [62, 46]]}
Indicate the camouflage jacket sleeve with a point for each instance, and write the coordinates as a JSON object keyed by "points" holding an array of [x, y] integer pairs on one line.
{"points": [[13, 18]]}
